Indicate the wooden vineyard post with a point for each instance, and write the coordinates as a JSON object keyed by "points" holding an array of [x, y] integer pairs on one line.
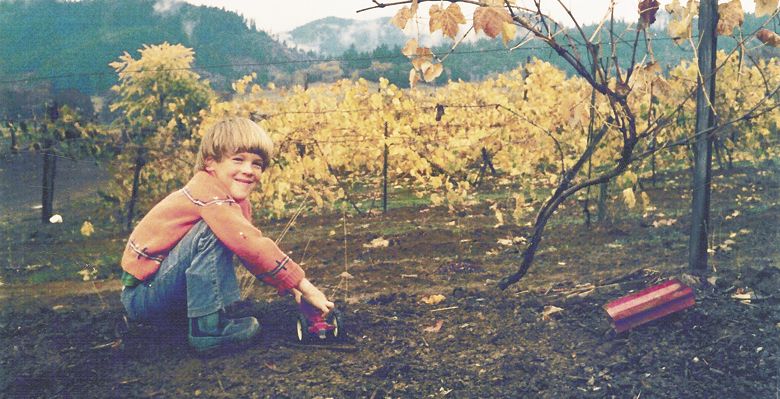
{"points": [[384, 175], [705, 120]]}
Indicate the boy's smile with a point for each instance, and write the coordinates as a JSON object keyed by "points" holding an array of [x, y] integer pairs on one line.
{"points": [[239, 173]]}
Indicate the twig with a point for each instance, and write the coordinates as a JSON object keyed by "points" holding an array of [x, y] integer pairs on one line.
{"points": [[103, 346], [292, 220], [343, 348], [304, 250], [443, 309], [104, 305]]}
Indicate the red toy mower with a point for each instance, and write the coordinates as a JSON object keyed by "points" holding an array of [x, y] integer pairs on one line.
{"points": [[311, 323]]}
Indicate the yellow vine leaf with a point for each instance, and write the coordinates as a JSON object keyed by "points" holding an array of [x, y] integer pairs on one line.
{"points": [[628, 178], [414, 77], [424, 55], [730, 16], [768, 37], [499, 217], [448, 20], [647, 11], [410, 49], [508, 32], [435, 182], [519, 210], [436, 199], [491, 20], [402, 17], [432, 71], [87, 229], [765, 7], [645, 201], [629, 198], [682, 18]]}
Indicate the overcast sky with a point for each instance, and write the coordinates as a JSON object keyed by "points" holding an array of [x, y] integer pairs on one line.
{"points": [[277, 16]]}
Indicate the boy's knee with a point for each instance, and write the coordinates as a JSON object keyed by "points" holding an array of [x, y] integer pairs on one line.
{"points": [[205, 238]]}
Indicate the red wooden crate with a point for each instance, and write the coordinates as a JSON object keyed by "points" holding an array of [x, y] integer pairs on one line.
{"points": [[649, 304]]}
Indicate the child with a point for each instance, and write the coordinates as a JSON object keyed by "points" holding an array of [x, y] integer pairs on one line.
{"points": [[180, 256]]}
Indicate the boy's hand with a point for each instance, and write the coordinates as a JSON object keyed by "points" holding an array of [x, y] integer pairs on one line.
{"points": [[311, 294]]}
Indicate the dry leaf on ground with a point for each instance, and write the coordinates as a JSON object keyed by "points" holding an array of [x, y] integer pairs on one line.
{"points": [[434, 328], [433, 299]]}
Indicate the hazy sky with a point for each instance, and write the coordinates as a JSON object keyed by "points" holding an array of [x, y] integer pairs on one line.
{"points": [[277, 16]]}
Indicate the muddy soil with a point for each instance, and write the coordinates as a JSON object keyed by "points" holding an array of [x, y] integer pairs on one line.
{"points": [[477, 342]]}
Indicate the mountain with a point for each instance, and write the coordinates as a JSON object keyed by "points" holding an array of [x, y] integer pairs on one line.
{"points": [[69, 44], [371, 49], [64, 47], [333, 36]]}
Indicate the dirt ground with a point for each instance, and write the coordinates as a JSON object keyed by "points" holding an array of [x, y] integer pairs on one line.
{"points": [[69, 340]]}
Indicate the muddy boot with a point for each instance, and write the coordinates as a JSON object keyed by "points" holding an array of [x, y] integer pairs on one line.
{"points": [[215, 331]]}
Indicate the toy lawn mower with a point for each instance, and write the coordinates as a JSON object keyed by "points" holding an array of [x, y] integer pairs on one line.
{"points": [[311, 324]]}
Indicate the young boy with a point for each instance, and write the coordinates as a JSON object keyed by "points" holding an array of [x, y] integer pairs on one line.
{"points": [[180, 256]]}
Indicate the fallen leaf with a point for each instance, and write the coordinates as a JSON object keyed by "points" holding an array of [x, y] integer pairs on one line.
{"points": [[747, 296], [87, 229], [550, 310], [506, 241], [434, 328], [378, 242], [433, 299]]}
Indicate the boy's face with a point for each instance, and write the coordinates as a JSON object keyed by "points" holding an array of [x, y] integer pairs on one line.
{"points": [[238, 172]]}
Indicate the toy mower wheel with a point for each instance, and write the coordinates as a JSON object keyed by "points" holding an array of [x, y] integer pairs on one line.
{"points": [[335, 319], [302, 328]]}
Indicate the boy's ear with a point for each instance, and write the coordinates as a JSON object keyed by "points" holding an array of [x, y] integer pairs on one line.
{"points": [[209, 164]]}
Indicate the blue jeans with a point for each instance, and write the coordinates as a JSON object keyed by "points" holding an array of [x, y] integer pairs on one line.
{"points": [[197, 276]]}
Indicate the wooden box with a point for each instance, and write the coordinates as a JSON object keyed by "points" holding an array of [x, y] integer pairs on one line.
{"points": [[649, 304]]}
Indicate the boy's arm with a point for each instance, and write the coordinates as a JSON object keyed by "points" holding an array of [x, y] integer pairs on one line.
{"points": [[312, 295], [261, 256]]}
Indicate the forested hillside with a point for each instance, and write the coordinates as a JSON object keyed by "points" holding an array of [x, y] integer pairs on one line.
{"points": [[52, 49], [75, 41], [479, 59]]}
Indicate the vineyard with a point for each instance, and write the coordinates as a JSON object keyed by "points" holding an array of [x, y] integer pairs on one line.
{"points": [[470, 232]]}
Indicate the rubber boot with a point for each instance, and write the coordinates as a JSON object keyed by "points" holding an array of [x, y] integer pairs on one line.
{"points": [[214, 331]]}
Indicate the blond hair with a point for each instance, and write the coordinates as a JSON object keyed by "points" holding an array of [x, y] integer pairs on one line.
{"points": [[233, 135]]}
